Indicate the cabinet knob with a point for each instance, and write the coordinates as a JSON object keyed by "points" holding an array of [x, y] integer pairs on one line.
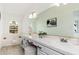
{"points": [[4, 38], [39, 47], [20, 37], [74, 24]]}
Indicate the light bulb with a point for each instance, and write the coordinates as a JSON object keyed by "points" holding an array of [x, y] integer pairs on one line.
{"points": [[57, 4], [64, 3], [30, 16], [34, 15]]}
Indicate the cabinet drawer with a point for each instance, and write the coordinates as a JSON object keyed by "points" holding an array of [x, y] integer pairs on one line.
{"points": [[40, 52], [45, 49], [48, 50]]}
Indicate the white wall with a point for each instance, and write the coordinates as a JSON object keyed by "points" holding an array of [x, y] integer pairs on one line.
{"points": [[1, 19], [27, 25], [6, 18]]}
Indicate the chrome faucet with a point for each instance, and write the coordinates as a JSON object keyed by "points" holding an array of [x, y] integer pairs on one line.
{"points": [[63, 40]]}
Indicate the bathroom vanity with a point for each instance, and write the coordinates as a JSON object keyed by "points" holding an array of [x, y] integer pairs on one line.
{"points": [[53, 46]]}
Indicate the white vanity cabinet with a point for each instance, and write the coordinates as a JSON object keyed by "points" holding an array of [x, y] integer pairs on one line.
{"points": [[47, 50], [44, 50]]}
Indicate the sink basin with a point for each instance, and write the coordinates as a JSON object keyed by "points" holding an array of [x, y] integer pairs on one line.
{"points": [[74, 41]]}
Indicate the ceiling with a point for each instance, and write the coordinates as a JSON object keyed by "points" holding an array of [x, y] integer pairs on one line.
{"points": [[22, 9]]}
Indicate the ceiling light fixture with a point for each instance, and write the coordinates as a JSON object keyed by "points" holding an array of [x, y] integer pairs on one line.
{"points": [[33, 15], [57, 4], [64, 3]]}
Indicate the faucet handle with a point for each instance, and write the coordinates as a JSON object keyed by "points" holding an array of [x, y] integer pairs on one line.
{"points": [[63, 40], [4, 38]]}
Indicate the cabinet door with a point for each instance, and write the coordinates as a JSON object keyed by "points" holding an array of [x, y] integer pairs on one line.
{"points": [[39, 52], [29, 50], [48, 50]]}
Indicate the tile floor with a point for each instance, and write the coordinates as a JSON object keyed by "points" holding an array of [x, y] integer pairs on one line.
{"points": [[11, 50]]}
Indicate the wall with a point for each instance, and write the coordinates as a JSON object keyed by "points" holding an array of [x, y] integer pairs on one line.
{"points": [[28, 25], [6, 18], [1, 20], [9, 18], [65, 20]]}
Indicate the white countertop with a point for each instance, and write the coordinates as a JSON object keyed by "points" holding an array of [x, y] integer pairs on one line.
{"points": [[54, 42]]}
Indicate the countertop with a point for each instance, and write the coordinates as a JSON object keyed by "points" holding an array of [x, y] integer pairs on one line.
{"points": [[54, 42]]}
